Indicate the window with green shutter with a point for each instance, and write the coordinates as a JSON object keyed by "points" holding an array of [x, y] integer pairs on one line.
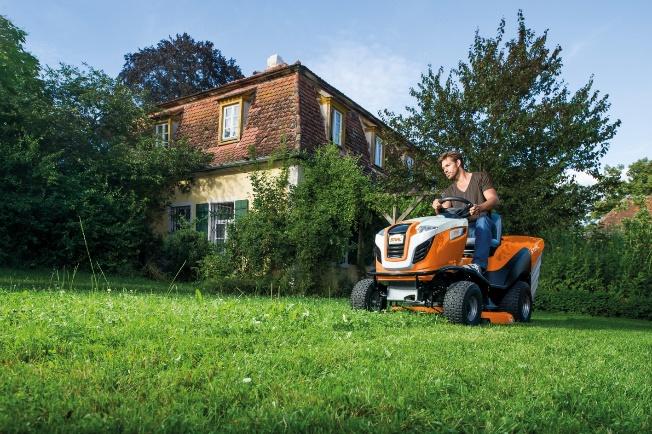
{"points": [[241, 207], [201, 213]]}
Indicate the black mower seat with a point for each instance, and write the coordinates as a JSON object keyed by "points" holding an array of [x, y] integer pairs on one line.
{"points": [[495, 236]]}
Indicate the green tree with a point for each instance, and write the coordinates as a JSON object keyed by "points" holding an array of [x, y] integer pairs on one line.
{"points": [[640, 178], [77, 145], [508, 110], [258, 243], [113, 175], [25, 172], [613, 188], [327, 208], [177, 67], [21, 90]]}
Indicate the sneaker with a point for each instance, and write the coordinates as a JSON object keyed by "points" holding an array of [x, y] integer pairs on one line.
{"points": [[475, 267]]}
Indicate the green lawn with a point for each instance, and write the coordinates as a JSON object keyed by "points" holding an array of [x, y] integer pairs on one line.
{"points": [[145, 357]]}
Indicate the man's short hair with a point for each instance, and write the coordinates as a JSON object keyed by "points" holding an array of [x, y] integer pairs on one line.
{"points": [[454, 155]]}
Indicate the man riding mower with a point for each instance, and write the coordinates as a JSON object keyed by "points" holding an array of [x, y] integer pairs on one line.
{"points": [[422, 264]]}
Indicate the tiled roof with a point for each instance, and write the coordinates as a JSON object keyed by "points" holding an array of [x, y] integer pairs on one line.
{"points": [[272, 120], [313, 130], [616, 216], [284, 110]]}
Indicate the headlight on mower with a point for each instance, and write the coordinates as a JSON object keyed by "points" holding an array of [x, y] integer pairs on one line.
{"points": [[381, 232], [424, 228], [456, 233]]}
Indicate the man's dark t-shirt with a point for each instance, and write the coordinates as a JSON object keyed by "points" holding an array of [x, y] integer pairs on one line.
{"points": [[480, 182]]}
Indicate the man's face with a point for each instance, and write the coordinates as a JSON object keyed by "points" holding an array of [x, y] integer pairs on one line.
{"points": [[450, 167]]}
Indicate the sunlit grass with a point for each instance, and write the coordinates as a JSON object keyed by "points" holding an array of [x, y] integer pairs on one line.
{"points": [[159, 360]]}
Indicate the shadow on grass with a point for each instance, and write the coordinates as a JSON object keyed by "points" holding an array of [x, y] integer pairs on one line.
{"points": [[579, 322]]}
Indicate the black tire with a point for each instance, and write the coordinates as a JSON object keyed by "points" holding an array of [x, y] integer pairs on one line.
{"points": [[463, 303], [518, 301], [366, 295]]}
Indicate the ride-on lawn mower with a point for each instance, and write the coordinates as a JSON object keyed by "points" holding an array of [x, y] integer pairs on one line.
{"points": [[420, 267]]}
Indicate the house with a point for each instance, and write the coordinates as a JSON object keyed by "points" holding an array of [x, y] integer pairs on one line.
{"points": [[244, 122], [615, 217]]}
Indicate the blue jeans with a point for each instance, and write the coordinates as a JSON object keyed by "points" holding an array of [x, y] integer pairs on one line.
{"points": [[482, 230]]}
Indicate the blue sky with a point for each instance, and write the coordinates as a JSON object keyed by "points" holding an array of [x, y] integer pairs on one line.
{"points": [[372, 51]]}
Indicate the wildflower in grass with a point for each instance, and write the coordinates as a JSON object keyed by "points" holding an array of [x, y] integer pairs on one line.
{"points": [[246, 380]]}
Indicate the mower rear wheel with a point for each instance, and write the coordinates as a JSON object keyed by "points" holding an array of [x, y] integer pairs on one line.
{"points": [[366, 295], [463, 303], [518, 301]]}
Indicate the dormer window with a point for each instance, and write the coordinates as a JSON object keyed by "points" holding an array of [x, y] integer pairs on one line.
{"points": [[378, 152], [231, 122], [336, 127], [334, 114], [233, 115], [162, 133]]}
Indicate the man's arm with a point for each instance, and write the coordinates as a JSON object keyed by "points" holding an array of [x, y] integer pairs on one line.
{"points": [[438, 205], [490, 203]]}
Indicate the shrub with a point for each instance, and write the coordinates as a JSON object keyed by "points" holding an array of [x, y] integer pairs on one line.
{"points": [[182, 252], [326, 209], [598, 271], [258, 244], [295, 235]]}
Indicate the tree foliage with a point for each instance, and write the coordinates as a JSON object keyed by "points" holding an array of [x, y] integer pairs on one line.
{"points": [[510, 113], [600, 272], [640, 178], [613, 188], [258, 242], [327, 208], [78, 147], [20, 87], [177, 67], [294, 233]]}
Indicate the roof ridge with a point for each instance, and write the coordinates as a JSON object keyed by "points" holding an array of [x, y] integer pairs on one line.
{"points": [[280, 70]]}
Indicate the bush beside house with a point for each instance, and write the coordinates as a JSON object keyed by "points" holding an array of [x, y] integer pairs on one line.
{"points": [[295, 237]]}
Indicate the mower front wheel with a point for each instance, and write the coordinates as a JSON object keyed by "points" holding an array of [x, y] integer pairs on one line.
{"points": [[463, 303], [518, 301], [366, 295]]}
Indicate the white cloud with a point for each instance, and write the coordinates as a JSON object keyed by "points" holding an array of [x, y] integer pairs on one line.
{"points": [[370, 74], [583, 178]]}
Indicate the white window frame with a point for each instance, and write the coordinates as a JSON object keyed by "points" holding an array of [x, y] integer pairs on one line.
{"points": [[231, 122], [378, 156], [172, 223], [162, 133], [215, 220], [337, 119]]}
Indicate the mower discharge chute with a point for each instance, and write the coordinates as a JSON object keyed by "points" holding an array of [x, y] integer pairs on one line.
{"points": [[420, 266]]}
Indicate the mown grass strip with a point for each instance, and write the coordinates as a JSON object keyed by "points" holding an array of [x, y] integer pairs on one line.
{"points": [[87, 361]]}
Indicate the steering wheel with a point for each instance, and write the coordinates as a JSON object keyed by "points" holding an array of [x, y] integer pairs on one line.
{"points": [[461, 212]]}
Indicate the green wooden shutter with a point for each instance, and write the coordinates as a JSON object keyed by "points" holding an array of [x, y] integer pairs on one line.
{"points": [[241, 207], [201, 213]]}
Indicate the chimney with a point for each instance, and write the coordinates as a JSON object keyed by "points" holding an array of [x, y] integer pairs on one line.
{"points": [[274, 60]]}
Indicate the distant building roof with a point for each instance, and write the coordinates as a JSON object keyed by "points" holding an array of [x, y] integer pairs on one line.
{"points": [[615, 216]]}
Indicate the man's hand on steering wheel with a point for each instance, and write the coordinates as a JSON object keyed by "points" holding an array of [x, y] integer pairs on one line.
{"points": [[475, 210], [461, 212], [437, 205]]}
